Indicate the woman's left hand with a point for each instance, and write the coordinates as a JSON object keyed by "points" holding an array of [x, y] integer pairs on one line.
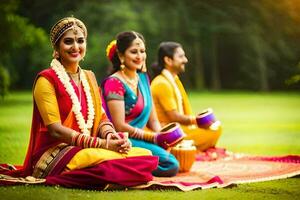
{"points": [[126, 146]]}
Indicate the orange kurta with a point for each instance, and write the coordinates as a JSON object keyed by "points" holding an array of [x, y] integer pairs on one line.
{"points": [[165, 100]]}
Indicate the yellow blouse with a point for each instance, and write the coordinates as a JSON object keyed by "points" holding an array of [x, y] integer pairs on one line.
{"points": [[45, 98]]}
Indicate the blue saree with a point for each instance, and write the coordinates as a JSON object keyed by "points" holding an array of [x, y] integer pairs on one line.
{"points": [[168, 165]]}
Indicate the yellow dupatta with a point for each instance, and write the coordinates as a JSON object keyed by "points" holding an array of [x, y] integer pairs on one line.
{"points": [[183, 104], [187, 108]]}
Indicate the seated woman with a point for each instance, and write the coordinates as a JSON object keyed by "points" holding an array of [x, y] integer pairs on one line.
{"points": [[170, 98], [72, 142], [128, 98]]}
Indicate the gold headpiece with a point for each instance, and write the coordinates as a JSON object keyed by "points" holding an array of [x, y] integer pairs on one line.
{"points": [[64, 25]]}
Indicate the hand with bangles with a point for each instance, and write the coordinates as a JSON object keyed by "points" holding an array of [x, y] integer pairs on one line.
{"points": [[166, 137], [115, 141], [118, 142]]}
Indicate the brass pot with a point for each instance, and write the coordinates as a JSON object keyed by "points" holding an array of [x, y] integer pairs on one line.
{"points": [[185, 155]]}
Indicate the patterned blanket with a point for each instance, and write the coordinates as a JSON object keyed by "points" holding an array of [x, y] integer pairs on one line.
{"points": [[220, 169]]}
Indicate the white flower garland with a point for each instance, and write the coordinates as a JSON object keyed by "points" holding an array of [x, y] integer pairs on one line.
{"points": [[171, 79], [76, 108]]}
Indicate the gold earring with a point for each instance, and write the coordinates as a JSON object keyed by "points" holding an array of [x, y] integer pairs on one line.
{"points": [[122, 66], [55, 55], [143, 68]]}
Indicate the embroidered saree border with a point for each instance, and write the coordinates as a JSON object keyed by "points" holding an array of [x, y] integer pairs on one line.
{"points": [[49, 160]]}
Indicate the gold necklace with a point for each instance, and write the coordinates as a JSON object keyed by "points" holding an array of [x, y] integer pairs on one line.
{"points": [[76, 78], [133, 82]]}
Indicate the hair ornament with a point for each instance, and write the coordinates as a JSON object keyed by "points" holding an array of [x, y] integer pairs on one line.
{"points": [[111, 49], [63, 26]]}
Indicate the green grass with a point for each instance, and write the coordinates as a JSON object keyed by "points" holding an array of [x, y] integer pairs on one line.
{"points": [[255, 123]]}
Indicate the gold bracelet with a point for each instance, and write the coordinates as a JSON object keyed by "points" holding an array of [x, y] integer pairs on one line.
{"points": [[106, 132], [104, 124], [192, 119]]}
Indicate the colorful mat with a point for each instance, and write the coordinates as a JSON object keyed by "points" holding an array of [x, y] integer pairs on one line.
{"points": [[214, 168], [229, 171]]}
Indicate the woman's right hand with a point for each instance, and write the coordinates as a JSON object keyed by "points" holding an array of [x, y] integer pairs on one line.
{"points": [[119, 145], [113, 136]]}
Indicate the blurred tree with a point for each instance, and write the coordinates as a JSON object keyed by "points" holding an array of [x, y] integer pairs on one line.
{"points": [[21, 42], [251, 44], [271, 53], [44, 13], [4, 82], [104, 19]]}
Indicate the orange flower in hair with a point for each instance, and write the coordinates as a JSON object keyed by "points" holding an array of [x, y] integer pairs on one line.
{"points": [[111, 49]]}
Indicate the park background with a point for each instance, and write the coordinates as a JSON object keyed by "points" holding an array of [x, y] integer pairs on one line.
{"points": [[232, 44], [243, 62]]}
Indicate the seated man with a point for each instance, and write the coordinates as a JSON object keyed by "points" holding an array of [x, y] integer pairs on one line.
{"points": [[170, 98]]}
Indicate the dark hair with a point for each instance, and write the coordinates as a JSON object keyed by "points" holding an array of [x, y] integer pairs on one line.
{"points": [[124, 40], [165, 49]]}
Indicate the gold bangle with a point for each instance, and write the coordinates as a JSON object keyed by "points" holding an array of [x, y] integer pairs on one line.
{"points": [[137, 131], [193, 119], [105, 133], [104, 124]]}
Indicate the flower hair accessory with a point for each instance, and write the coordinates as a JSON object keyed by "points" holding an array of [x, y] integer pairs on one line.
{"points": [[111, 49]]}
